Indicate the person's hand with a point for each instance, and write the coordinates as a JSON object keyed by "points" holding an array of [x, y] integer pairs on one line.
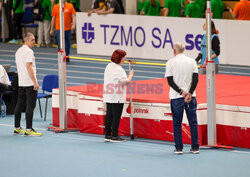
{"points": [[205, 64], [188, 98], [51, 32], [36, 86], [73, 28], [89, 13]]}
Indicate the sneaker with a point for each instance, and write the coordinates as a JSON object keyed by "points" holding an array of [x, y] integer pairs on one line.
{"points": [[13, 41], [19, 131], [194, 151], [178, 151], [107, 138], [48, 45], [32, 132], [117, 139], [19, 41]]}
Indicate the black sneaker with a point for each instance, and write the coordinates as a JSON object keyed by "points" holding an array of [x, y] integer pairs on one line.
{"points": [[107, 138], [194, 150], [117, 139], [178, 151]]}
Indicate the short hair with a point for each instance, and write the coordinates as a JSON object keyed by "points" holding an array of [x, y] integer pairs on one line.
{"points": [[118, 55], [178, 47], [27, 36]]}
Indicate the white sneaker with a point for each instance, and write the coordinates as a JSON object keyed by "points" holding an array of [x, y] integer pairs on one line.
{"points": [[13, 41]]}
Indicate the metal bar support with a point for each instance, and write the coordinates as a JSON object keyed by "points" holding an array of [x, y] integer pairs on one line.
{"points": [[62, 72], [210, 70]]}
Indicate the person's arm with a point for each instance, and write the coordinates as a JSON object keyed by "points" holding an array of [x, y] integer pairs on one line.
{"points": [[233, 13], [194, 83], [197, 59], [52, 25], [0, 5], [32, 75], [172, 84], [166, 11], [183, 93], [73, 22], [16, 5], [104, 12], [93, 11], [215, 47], [129, 78]]}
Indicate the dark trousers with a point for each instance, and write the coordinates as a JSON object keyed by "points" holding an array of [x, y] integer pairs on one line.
{"points": [[17, 26], [112, 119], [67, 40], [177, 107], [7, 8], [26, 97]]}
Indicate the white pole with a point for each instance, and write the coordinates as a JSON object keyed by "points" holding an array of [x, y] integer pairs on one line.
{"points": [[62, 72], [210, 70], [131, 109]]}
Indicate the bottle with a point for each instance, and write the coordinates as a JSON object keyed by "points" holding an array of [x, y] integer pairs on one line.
{"points": [[3, 109]]}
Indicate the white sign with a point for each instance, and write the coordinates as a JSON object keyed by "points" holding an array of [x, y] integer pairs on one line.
{"points": [[151, 37]]}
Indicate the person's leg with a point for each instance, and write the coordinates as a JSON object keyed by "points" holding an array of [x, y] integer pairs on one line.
{"points": [[40, 33], [9, 20], [216, 68], [57, 34], [18, 21], [67, 41], [46, 31], [192, 119], [21, 101], [117, 112], [108, 119], [31, 97], [177, 108]]}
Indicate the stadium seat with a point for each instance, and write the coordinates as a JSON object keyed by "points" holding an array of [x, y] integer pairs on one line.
{"points": [[27, 20]]}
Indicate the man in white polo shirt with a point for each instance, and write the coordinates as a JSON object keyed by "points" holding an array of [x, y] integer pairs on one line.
{"points": [[28, 86], [182, 76]]}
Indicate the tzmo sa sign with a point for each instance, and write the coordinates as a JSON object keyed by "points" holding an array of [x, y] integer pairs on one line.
{"points": [[139, 36]]}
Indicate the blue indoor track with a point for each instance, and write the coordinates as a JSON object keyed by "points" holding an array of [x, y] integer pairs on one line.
{"points": [[75, 154]]}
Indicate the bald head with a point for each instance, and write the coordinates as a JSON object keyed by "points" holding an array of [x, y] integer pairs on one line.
{"points": [[178, 48]]}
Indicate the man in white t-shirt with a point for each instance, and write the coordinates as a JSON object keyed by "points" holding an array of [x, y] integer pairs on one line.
{"points": [[28, 86], [182, 76]]}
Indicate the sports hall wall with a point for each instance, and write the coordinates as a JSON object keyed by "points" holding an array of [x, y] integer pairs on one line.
{"points": [[151, 37]]}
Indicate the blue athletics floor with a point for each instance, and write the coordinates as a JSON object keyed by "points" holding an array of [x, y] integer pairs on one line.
{"points": [[77, 154]]}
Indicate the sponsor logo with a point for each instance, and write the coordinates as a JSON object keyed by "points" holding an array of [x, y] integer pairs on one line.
{"points": [[88, 33], [141, 111], [120, 35], [167, 114], [100, 109]]}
